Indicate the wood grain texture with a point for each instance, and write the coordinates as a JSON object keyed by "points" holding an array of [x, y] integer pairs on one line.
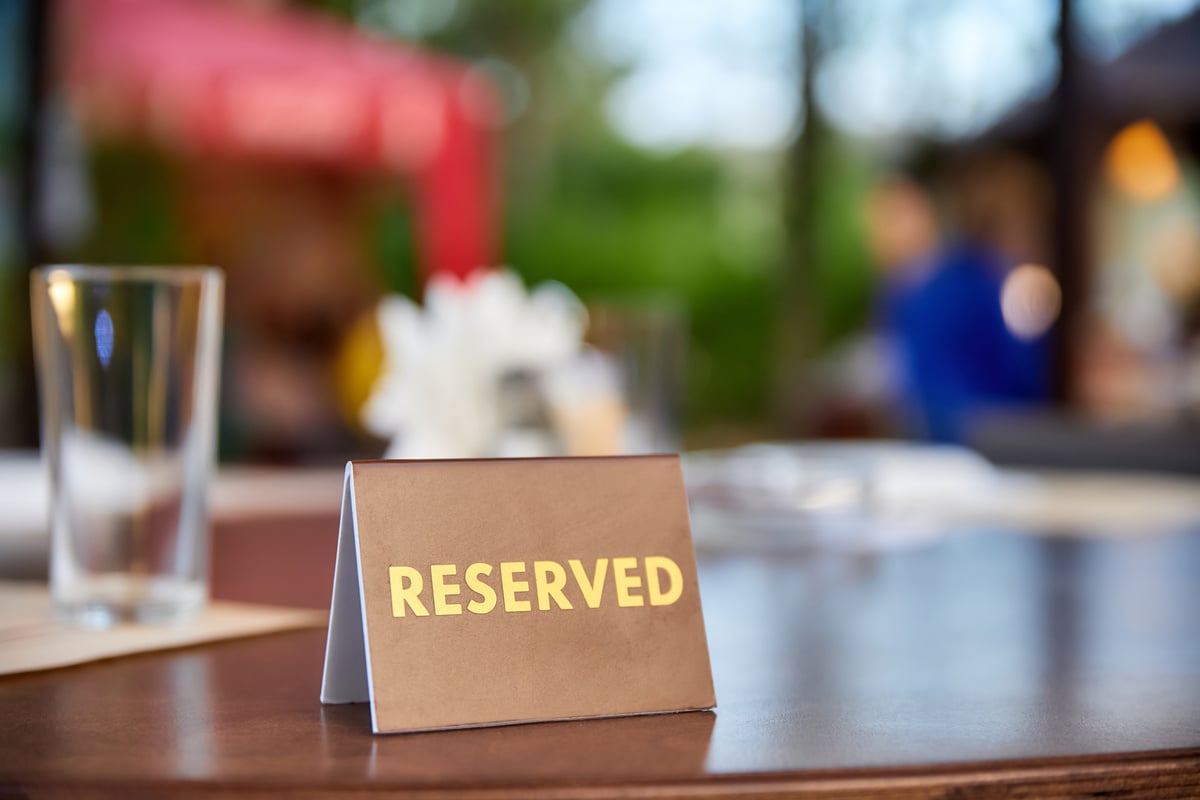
{"points": [[986, 665]]}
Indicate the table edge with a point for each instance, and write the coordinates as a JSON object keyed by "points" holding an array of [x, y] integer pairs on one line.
{"points": [[1133, 773]]}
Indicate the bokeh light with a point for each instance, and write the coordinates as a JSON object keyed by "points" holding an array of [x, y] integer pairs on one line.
{"points": [[1030, 301], [1140, 162]]}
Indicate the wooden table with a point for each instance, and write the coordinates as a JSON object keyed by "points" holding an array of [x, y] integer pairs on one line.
{"points": [[987, 664]]}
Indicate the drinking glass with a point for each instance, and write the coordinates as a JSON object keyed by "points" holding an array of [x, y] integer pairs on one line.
{"points": [[648, 340], [128, 367]]}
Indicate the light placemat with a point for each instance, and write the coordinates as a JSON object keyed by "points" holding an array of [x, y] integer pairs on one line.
{"points": [[31, 640]]}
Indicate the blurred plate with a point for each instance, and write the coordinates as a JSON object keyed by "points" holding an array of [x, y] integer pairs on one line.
{"points": [[858, 496]]}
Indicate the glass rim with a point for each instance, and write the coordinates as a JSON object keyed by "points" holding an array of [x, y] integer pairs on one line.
{"points": [[160, 273]]}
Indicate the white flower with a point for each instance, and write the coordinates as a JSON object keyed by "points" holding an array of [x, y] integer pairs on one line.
{"points": [[437, 396]]}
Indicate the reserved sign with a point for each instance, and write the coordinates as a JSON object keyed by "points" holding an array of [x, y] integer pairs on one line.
{"points": [[489, 592], [550, 582]]}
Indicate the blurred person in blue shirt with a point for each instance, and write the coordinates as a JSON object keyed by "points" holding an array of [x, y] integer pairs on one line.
{"points": [[967, 337]]}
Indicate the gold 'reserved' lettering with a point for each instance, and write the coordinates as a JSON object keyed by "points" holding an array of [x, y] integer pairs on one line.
{"points": [[510, 586], [593, 591], [660, 564], [441, 589], [475, 583], [634, 581], [626, 583], [549, 577], [406, 590]]}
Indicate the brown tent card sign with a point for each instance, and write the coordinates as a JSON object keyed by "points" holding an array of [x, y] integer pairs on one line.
{"points": [[490, 592]]}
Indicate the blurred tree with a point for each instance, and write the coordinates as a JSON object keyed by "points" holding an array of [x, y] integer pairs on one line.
{"points": [[133, 227], [580, 205], [24, 45], [612, 221]]}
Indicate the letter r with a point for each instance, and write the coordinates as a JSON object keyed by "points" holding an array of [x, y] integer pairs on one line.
{"points": [[406, 584]]}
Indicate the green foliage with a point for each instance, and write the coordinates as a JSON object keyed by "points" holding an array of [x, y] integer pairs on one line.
{"points": [[616, 222], [842, 278], [580, 206], [137, 221], [515, 29], [695, 230], [390, 232]]}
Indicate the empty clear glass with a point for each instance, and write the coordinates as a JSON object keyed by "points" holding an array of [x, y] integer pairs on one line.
{"points": [[128, 366]]}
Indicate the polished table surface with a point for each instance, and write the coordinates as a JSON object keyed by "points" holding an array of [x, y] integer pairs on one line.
{"points": [[987, 663]]}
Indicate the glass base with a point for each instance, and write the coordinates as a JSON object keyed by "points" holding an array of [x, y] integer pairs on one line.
{"points": [[108, 600]]}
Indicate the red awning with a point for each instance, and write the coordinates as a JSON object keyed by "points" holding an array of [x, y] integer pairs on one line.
{"points": [[204, 78]]}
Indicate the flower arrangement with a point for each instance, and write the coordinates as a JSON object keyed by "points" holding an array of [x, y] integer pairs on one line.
{"points": [[447, 364]]}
